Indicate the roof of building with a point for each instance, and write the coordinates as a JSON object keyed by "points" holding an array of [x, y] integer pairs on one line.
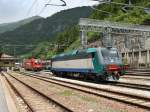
{"points": [[4, 56]]}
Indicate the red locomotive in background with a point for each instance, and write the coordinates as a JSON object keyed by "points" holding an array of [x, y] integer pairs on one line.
{"points": [[33, 64]]}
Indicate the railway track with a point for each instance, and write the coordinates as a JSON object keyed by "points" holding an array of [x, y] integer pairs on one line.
{"points": [[134, 77], [141, 74], [33, 98], [119, 84], [145, 74], [19, 96], [102, 90], [138, 72]]}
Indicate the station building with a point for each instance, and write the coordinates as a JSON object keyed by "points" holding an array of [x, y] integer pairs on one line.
{"points": [[7, 61]]}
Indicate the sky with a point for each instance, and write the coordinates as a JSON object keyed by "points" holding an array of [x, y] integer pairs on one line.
{"points": [[14, 10]]}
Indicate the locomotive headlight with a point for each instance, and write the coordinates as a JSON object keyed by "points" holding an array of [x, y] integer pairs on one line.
{"points": [[115, 72], [111, 60], [113, 67]]}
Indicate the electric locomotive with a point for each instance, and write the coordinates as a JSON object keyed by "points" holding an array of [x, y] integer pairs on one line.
{"points": [[101, 63], [33, 64]]}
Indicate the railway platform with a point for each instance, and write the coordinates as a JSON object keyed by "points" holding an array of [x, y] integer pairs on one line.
{"points": [[3, 103], [6, 102]]}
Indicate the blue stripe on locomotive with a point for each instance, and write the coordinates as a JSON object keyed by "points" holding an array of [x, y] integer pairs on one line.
{"points": [[79, 70]]}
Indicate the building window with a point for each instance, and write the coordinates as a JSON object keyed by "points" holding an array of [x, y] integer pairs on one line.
{"points": [[6, 62]]}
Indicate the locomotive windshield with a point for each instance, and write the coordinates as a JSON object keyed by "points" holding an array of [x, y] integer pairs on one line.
{"points": [[109, 53], [37, 61]]}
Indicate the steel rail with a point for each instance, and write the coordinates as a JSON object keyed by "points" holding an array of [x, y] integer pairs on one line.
{"points": [[42, 94], [120, 99], [133, 74], [134, 77], [122, 84], [139, 72], [131, 85], [29, 107]]}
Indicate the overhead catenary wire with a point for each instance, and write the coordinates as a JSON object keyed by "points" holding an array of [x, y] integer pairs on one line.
{"points": [[30, 9], [124, 5], [109, 13], [118, 3], [48, 3], [130, 4], [63, 4], [42, 10]]}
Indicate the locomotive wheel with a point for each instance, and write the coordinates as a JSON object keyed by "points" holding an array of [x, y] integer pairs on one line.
{"points": [[85, 77], [96, 78], [117, 76], [104, 77], [56, 73]]}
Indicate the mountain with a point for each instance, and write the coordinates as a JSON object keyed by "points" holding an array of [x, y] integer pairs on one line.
{"points": [[11, 26], [134, 15], [42, 29], [115, 13]]}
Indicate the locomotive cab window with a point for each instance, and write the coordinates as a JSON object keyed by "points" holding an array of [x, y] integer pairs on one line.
{"points": [[114, 53], [109, 53]]}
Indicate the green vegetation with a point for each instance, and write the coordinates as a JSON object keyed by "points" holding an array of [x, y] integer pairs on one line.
{"points": [[11, 26], [60, 43], [60, 32], [71, 93], [66, 93], [43, 30], [134, 16]]}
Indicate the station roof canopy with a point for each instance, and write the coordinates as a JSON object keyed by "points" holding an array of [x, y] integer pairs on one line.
{"points": [[4, 56]]}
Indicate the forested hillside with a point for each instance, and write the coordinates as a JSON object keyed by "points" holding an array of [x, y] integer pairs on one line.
{"points": [[11, 26], [60, 32], [115, 12], [42, 29], [133, 15]]}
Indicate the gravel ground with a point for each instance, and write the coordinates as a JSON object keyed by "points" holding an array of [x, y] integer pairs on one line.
{"points": [[111, 87], [128, 80], [79, 101]]}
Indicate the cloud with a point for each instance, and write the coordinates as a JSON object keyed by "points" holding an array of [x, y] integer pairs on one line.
{"points": [[13, 10], [10, 10]]}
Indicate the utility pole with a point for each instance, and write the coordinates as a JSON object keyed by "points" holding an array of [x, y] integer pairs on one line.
{"points": [[84, 39], [14, 49]]}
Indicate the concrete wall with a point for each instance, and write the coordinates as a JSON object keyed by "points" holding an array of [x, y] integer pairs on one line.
{"points": [[137, 58]]}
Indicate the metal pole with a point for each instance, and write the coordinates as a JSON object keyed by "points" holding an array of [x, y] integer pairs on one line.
{"points": [[14, 51], [84, 39]]}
